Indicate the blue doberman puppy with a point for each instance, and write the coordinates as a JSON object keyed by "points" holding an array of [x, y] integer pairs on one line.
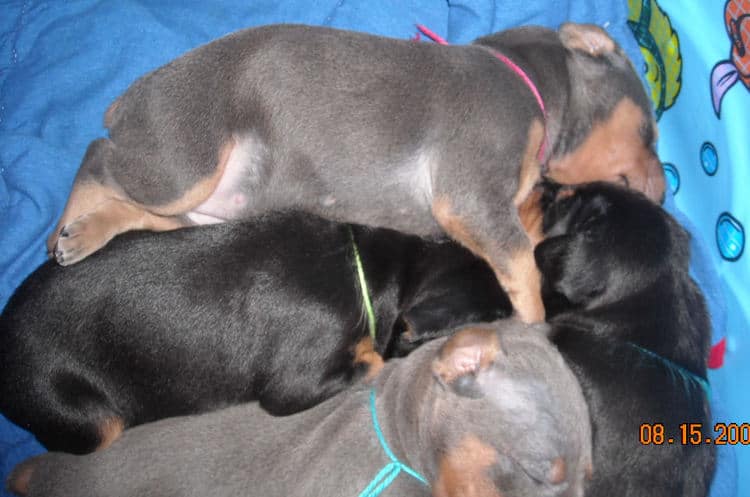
{"points": [[493, 410], [415, 137]]}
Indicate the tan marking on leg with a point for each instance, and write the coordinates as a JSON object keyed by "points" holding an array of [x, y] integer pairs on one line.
{"points": [[84, 198], [527, 197], [91, 231], [530, 167], [531, 216], [454, 226], [462, 471], [614, 150], [109, 431], [523, 283], [95, 213], [516, 272], [199, 192], [529, 176], [365, 353]]}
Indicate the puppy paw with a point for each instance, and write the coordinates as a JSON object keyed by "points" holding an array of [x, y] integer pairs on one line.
{"points": [[78, 239]]}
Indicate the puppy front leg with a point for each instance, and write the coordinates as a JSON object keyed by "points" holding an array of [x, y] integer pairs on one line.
{"points": [[506, 247], [523, 282]]}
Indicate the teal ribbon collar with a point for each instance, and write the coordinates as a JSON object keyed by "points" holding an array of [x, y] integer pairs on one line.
{"points": [[363, 285], [391, 470], [676, 369]]}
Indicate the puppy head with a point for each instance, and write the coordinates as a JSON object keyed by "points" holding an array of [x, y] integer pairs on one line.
{"points": [[450, 287], [607, 131], [604, 243], [510, 416], [601, 123]]}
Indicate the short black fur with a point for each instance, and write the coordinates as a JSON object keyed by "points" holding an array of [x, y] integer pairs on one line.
{"points": [[159, 325], [634, 328]]}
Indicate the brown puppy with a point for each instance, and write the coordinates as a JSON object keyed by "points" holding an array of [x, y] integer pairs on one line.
{"points": [[410, 136]]}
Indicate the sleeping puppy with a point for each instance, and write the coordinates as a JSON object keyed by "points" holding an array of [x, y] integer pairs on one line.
{"points": [[410, 136], [159, 325], [633, 326], [493, 410]]}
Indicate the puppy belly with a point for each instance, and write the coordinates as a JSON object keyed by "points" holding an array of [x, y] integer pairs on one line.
{"points": [[242, 175], [257, 180]]}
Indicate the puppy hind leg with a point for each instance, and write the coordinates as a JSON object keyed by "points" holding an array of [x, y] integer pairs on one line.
{"points": [[73, 412], [99, 209], [89, 219], [88, 182], [108, 218]]}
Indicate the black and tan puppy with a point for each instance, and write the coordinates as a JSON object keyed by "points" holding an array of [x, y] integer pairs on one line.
{"points": [[410, 136], [633, 326], [166, 324], [492, 411]]}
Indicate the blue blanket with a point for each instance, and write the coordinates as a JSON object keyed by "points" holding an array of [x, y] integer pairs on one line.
{"points": [[63, 63]]}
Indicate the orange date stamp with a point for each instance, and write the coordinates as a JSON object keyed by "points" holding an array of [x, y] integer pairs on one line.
{"points": [[695, 434]]}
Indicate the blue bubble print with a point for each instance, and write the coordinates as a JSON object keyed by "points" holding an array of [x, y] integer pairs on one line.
{"points": [[672, 176], [709, 158], [730, 237]]}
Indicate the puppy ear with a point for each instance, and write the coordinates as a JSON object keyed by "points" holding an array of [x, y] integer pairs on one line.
{"points": [[463, 356], [587, 38]]}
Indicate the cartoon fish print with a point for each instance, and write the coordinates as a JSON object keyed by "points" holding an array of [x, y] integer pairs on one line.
{"points": [[737, 68], [660, 47]]}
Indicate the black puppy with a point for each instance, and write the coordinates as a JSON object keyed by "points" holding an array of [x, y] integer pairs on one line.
{"points": [[159, 325], [633, 326]]}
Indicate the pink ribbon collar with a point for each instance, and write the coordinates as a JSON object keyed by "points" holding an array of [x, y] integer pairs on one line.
{"points": [[513, 66]]}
